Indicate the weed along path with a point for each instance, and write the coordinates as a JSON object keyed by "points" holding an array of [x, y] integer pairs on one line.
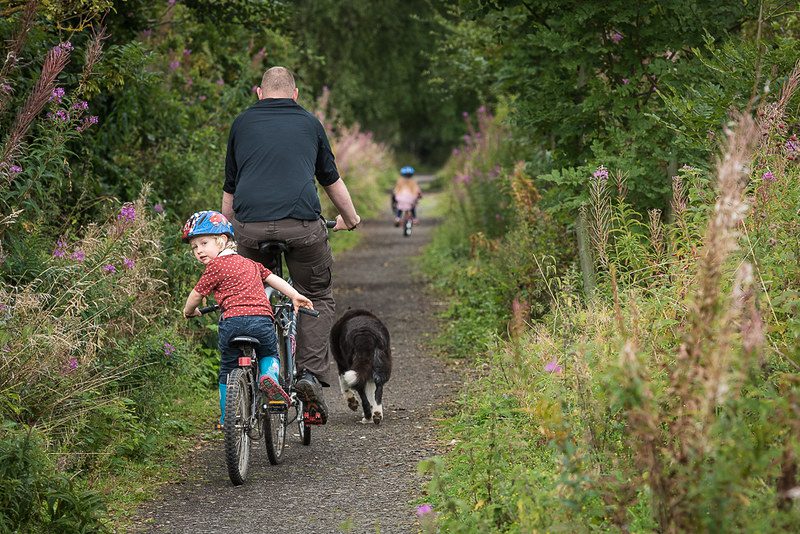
{"points": [[354, 477]]}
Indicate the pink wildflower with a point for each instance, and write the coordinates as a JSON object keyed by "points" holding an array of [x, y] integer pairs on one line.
{"points": [[57, 94], [6, 87], [59, 251], [83, 105], [129, 263], [424, 509], [553, 367], [220, 82], [768, 176], [169, 348], [187, 52], [15, 169], [625, 81], [78, 255], [616, 37], [109, 268], [601, 173], [158, 208], [72, 364], [127, 213], [174, 64]]}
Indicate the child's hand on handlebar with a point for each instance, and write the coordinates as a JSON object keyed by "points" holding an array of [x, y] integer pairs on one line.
{"points": [[193, 313], [302, 302]]}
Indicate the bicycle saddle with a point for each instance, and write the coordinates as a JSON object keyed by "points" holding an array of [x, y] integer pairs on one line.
{"points": [[244, 340], [272, 250]]}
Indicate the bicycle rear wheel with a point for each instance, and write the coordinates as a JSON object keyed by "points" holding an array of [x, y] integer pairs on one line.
{"points": [[305, 430], [275, 435], [237, 420]]}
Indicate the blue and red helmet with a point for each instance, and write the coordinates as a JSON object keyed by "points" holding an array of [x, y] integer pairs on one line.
{"points": [[206, 223], [407, 171]]}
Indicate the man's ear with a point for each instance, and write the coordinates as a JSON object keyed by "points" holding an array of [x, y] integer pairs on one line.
{"points": [[259, 93], [295, 94]]}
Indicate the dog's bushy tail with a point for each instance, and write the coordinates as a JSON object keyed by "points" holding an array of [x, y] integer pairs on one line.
{"points": [[376, 369]]}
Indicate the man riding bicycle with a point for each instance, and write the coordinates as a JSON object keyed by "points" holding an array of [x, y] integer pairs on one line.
{"points": [[275, 151]]}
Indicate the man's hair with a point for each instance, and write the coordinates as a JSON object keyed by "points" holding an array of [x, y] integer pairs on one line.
{"points": [[278, 81]]}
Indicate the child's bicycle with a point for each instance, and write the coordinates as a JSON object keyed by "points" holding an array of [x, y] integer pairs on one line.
{"points": [[407, 222], [247, 416]]}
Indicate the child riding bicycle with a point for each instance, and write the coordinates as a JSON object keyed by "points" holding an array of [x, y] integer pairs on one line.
{"points": [[238, 287], [405, 195]]}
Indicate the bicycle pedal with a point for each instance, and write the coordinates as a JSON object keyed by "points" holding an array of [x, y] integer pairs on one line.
{"points": [[312, 418]]}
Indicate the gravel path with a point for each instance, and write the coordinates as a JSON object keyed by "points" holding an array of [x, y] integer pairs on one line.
{"points": [[353, 478]]}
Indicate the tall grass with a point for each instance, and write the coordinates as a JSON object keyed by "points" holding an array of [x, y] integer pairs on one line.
{"points": [[667, 399]]}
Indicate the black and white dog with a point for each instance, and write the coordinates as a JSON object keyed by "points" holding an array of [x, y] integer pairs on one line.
{"points": [[360, 346]]}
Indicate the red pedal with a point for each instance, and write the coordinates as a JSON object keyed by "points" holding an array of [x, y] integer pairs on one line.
{"points": [[312, 418]]}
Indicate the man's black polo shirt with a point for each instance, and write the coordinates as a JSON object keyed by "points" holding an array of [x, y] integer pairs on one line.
{"points": [[275, 149]]}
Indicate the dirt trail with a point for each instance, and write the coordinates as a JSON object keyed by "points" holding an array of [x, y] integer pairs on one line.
{"points": [[353, 478]]}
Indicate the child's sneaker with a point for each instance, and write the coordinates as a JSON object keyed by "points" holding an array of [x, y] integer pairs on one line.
{"points": [[274, 391], [397, 221]]}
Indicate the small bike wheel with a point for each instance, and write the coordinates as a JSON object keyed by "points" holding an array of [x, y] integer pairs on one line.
{"points": [[305, 430], [237, 420], [407, 227], [275, 436]]}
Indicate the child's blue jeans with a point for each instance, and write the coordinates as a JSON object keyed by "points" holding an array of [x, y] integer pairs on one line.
{"points": [[257, 326]]}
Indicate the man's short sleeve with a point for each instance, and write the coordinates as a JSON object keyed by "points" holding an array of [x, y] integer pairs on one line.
{"points": [[325, 168], [231, 169], [208, 281]]}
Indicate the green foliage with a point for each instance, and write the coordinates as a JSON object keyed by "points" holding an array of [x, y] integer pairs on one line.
{"points": [[36, 498]]}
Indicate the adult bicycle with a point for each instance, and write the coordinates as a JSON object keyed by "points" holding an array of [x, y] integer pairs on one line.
{"points": [[282, 416]]}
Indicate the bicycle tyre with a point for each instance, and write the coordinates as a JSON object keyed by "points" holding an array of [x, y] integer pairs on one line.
{"points": [[237, 418], [305, 430], [275, 436], [407, 228]]}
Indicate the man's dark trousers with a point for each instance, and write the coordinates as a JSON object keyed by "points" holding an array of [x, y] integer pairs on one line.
{"points": [[309, 260]]}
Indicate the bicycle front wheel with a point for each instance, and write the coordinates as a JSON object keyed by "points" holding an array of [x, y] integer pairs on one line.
{"points": [[275, 435], [237, 421]]}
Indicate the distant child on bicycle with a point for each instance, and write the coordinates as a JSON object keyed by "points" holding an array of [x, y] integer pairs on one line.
{"points": [[406, 194], [238, 287]]}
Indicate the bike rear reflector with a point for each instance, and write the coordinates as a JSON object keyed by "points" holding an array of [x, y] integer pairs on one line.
{"points": [[244, 361]]}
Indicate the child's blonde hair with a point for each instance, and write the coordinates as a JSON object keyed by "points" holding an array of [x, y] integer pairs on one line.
{"points": [[225, 242]]}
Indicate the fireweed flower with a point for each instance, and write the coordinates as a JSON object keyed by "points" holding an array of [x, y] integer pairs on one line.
{"points": [[57, 94], [601, 173], [63, 48], [127, 213], [768, 176], [59, 251], [6, 87], [82, 105], [109, 268], [72, 364], [174, 64], [129, 263], [169, 348], [61, 115], [15, 169], [78, 255], [792, 144], [625, 81], [424, 509], [158, 208], [616, 37], [553, 367]]}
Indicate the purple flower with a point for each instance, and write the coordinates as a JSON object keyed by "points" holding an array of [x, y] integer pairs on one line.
{"points": [[59, 251], [202, 98], [6, 87], [465, 115], [15, 169], [72, 364], [129, 263], [88, 121], [158, 208], [553, 367], [127, 213], [616, 37], [625, 81], [768, 176], [601, 173], [220, 82], [424, 509], [63, 48], [169, 348], [83, 104], [174, 64], [792, 145], [57, 94], [78, 255], [187, 52], [109, 268], [61, 115], [171, 3], [147, 33]]}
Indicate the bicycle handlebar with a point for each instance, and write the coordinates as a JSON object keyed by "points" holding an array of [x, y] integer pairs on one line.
{"points": [[330, 224], [208, 309], [312, 313]]}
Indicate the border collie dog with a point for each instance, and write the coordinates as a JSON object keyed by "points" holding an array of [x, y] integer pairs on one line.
{"points": [[360, 346]]}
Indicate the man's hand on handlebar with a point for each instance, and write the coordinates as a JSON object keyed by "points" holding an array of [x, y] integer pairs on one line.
{"points": [[300, 301], [341, 225]]}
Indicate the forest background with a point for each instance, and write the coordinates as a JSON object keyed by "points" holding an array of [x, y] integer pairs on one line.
{"points": [[611, 303]]}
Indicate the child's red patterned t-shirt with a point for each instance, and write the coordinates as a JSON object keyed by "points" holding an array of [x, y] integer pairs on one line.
{"points": [[237, 284]]}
